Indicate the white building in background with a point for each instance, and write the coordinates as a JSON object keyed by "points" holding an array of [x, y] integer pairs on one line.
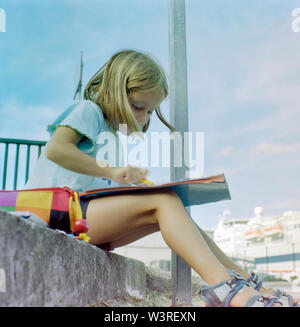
{"points": [[228, 234], [266, 244], [149, 249]]}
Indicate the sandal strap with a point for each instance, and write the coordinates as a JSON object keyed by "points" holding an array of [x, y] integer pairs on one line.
{"points": [[262, 301], [286, 299], [221, 294], [255, 281]]}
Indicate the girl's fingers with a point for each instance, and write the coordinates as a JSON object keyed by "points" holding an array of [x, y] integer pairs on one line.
{"points": [[143, 175], [134, 175], [144, 172]]}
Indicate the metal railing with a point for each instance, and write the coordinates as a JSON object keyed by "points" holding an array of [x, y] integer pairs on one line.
{"points": [[29, 144]]}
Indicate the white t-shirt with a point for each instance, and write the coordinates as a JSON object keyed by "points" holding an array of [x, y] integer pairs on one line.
{"points": [[99, 141]]}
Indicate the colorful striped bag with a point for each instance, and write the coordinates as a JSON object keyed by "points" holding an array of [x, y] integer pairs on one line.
{"points": [[59, 207]]}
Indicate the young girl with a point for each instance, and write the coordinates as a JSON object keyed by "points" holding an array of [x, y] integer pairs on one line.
{"points": [[126, 90]]}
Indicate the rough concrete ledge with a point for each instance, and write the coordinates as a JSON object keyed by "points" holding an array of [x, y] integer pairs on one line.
{"points": [[43, 267]]}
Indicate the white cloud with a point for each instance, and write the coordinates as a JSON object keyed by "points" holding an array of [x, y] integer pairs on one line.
{"points": [[225, 152], [266, 156], [17, 110], [273, 82], [273, 70], [25, 121], [280, 123], [275, 149]]}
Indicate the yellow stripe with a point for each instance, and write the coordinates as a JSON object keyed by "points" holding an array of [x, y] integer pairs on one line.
{"points": [[35, 199], [75, 211], [71, 213], [77, 207]]}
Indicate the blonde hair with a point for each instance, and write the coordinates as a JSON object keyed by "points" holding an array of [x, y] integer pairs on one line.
{"points": [[126, 71]]}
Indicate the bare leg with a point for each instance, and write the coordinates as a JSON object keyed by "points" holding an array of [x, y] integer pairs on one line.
{"points": [[229, 264], [223, 258], [143, 231], [146, 230], [135, 235], [110, 218]]}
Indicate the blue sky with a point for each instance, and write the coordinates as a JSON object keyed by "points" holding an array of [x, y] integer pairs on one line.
{"points": [[243, 83]]}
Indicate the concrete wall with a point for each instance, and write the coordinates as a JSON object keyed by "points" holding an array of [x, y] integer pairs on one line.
{"points": [[42, 267]]}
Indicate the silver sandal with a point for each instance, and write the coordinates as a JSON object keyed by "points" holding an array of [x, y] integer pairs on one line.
{"points": [[221, 294], [285, 299]]}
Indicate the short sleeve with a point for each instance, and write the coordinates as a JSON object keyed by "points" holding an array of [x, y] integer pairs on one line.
{"points": [[86, 118]]}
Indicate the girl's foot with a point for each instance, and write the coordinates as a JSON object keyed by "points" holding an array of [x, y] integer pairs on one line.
{"points": [[241, 298], [287, 299], [264, 290], [236, 292], [290, 300]]}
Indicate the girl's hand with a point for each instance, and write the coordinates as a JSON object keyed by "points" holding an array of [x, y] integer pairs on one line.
{"points": [[127, 175]]}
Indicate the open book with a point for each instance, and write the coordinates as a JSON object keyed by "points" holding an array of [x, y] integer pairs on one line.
{"points": [[191, 191]]}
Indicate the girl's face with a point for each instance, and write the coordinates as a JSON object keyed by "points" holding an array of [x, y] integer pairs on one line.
{"points": [[143, 103]]}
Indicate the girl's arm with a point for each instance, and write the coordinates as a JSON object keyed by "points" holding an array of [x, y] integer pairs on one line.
{"points": [[62, 150]]}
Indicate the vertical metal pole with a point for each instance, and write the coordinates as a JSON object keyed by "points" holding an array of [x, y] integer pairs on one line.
{"points": [[267, 261], [27, 162], [181, 272], [39, 150], [294, 257], [5, 166], [16, 166]]}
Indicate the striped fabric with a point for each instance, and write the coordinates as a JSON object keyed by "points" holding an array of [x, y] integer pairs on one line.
{"points": [[58, 207]]}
